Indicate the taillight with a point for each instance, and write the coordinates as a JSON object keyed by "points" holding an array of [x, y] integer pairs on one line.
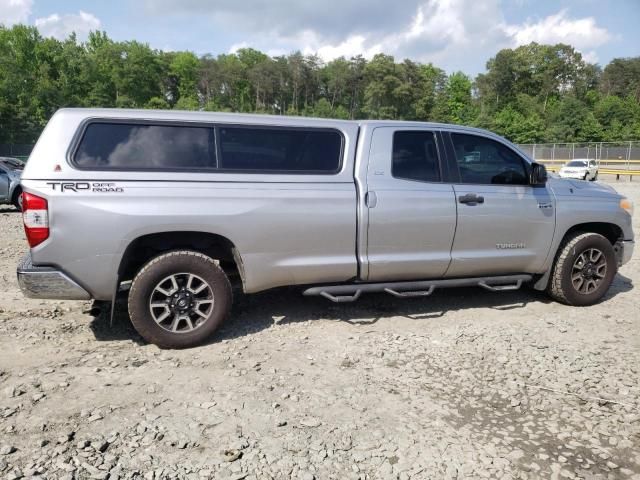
{"points": [[35, 214]]}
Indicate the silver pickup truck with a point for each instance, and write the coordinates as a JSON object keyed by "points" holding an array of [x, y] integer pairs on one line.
{"points": [[178, 205]]}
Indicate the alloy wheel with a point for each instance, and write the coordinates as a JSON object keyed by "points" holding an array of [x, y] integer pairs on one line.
{"points": [[181, 303], [589, 269]]}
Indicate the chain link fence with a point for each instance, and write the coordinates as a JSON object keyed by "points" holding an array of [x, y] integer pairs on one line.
{"points": [[624, 156], [16, 151]]}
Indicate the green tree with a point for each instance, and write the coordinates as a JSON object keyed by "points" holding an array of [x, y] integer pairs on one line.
{"points": [[568, 121], [516, 127], [455, 103], [591, 130], [621, 77], [184, 67], [432, 83], [381, 91], [140, 73]]}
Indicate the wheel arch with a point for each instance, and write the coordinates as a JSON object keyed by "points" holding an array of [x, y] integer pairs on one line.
{"points": [[609, 230], [145, 247]]}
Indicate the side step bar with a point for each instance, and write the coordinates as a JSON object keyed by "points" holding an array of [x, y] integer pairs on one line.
{"points": [[423, 288]]}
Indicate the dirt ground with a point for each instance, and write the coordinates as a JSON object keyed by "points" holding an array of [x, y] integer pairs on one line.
{"points": [[464, 384]]}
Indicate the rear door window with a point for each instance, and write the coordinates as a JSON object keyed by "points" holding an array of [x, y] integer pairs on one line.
{"points": [[415, 156], [146, 147]]}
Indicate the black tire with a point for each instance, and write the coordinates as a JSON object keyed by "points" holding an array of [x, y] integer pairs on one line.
{"points": [[569, 262], [586, 175], [595, 177], [17, 199], [179, 268]]}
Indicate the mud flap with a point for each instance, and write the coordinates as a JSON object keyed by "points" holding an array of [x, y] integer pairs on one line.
{"points": [[113, 302], [543, 281]]}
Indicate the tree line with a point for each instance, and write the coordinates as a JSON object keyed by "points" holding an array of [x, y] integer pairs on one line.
{"points": [[533, 93]]}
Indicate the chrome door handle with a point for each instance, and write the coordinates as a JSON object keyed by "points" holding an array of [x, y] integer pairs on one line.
{"points": [[471, 199], [370, 199]]}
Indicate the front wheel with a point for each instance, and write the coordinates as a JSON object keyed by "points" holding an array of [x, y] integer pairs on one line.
{"points": [[583, 270], [179, 299]]}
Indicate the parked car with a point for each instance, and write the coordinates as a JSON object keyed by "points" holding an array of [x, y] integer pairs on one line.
{"points": [[10, 189], [582, 169], [178, 205]]}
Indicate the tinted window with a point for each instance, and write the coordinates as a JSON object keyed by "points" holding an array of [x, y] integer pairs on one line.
{"points": [[485, 161], [577, 163], [279, 149], [119, 145], [415, 156]]}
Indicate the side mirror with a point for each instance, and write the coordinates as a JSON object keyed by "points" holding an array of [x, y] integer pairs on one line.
{"points": [[538, 175]]}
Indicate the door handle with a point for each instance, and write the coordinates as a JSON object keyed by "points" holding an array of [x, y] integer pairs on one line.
{"points": [[471, 199], [371, 199]]}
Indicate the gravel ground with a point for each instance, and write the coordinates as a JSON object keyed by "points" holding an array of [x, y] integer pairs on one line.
{"points": [[465, 384]]}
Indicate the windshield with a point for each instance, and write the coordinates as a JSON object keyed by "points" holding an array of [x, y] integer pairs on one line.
{"points": [[577, 163], [12, 163]]}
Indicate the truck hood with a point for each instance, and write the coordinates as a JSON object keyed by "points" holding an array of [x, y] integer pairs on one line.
{"points": [[568, 186]]}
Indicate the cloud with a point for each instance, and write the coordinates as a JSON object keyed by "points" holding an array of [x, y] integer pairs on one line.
{"points": [[454, 34], [590, 57], [61, 26], [354, 45], [444, 32], [14, 11], [238, 46], [332, 20], [450, 32], [582, 33]]}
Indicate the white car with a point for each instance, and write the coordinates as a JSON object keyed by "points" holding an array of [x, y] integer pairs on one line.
{"points": [[583, 169]]}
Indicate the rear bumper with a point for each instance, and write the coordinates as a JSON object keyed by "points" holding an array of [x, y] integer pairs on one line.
{"points": [[47, 282]]}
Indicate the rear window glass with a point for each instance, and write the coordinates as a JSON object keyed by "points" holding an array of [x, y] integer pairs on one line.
{"points": [[133, 146], [415, 156], [279, 149]]}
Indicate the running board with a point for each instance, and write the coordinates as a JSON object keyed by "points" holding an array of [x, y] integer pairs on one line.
{"points": [[424, 288]]}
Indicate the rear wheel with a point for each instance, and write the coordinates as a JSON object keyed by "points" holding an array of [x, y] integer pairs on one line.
{"points": [[179, 299], [583, 270]]}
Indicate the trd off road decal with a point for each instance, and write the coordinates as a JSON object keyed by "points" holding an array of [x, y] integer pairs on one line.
{"points": [[99, 187]]}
